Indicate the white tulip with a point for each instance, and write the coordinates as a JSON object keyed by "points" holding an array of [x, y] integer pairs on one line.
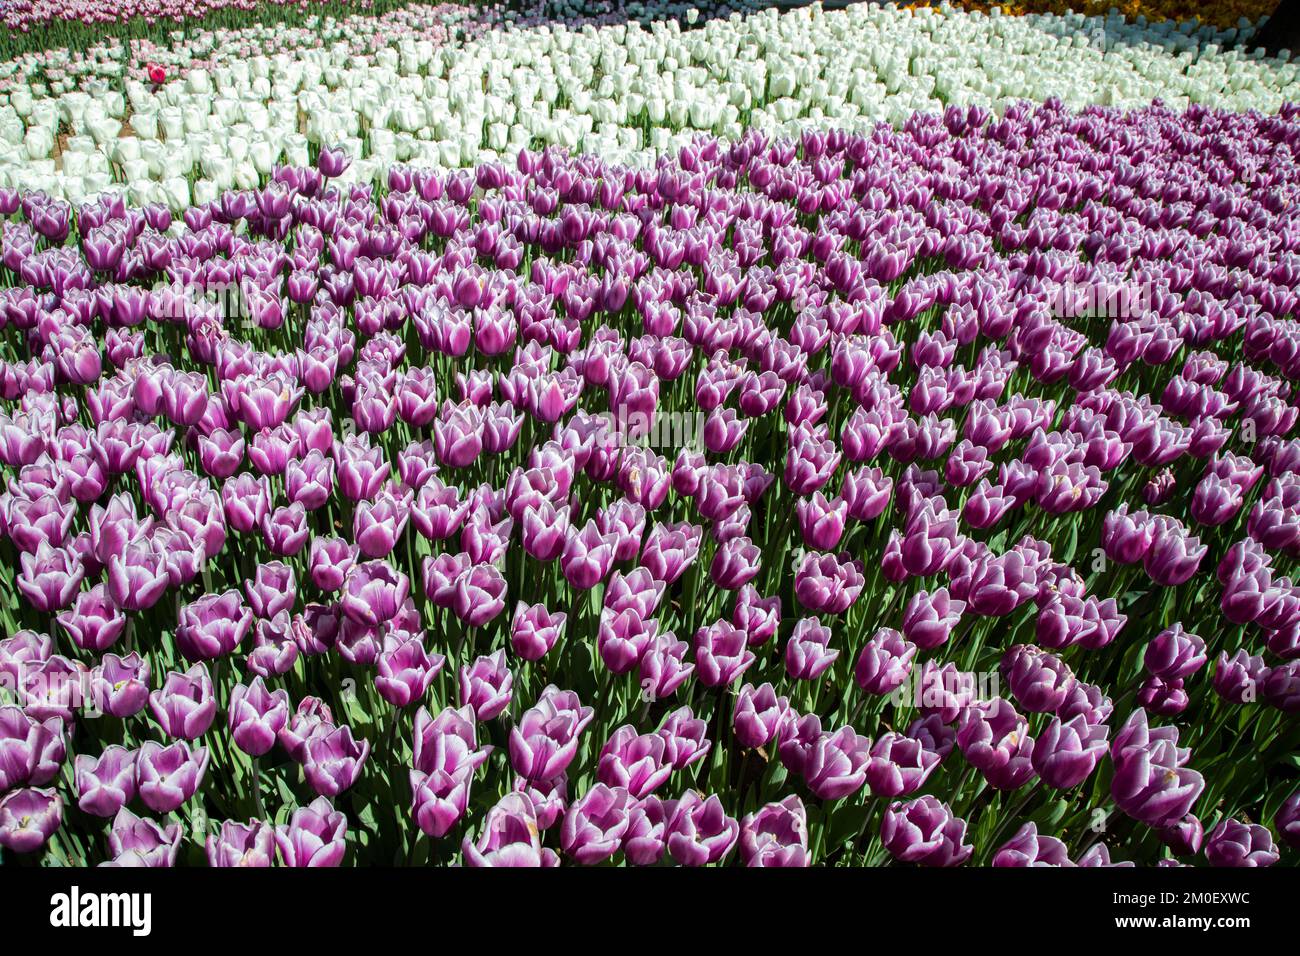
{"points": [[140, 192], [449, 154], [245, 176], [593, 88], [177, 163], [218, 169], [172, 123], [103, 128], [97, 182], [152, 152], [263, 156], [39, 142], [198, 81], [21, 100], [295, 149], [145, 124], [136, 170], [176, 193]]}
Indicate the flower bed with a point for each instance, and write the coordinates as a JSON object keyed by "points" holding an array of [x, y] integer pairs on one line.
{"points": [[922, 493], [34, 26], [1221, 13], [401, 91]]}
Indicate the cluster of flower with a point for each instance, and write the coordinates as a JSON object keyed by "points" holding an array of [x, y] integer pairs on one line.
{"points": [[1221, 13], [400, 89], [776, 447]]}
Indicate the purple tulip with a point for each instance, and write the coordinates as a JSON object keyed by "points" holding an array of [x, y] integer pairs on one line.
{"points": [[899, 765], [699, 832], [271, 590], [28, 818], [315, 836], [332, 761], [405, 670], [140, 842], [330, 560], [594, 824], [885, 662], [1163, 698], [509, 837], [924, 831], [31, 750], [645, 839], [1287, 820], [445, 757], [825, 583], [721, 654], [633, 762], [333, 162], [486, 686], [479, 595], [119, 686], [545, 741], [534, 631], [1151, 783], [684, 738], [821, 522], [1038, 680], [1173, 654], [249, 844], [438, 511], [1240, 844], [1098, 855], [866, 493], [1281, 687], [374, 592], [186, 704], [1174, 556], [1238, 678], [1028, 848], [137, 578], [1066, 752], [311, 717], [670, 549], [776, 835], [757, 616], [49, 577], [1184, 838], [106, 784], [929, 618], [166, 777], [212, 626], [808, 653], [836, 764], [588, 556], [995, 740], [285, 530], [256, 716], [759, 716], [94, 622], [550, 798]]}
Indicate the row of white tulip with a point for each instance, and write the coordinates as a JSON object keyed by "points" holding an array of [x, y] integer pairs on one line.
{"points": [[106, 64], [624, 91]]}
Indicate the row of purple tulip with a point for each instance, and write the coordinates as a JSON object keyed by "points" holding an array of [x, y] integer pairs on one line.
{"points": [[775, 451]]}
